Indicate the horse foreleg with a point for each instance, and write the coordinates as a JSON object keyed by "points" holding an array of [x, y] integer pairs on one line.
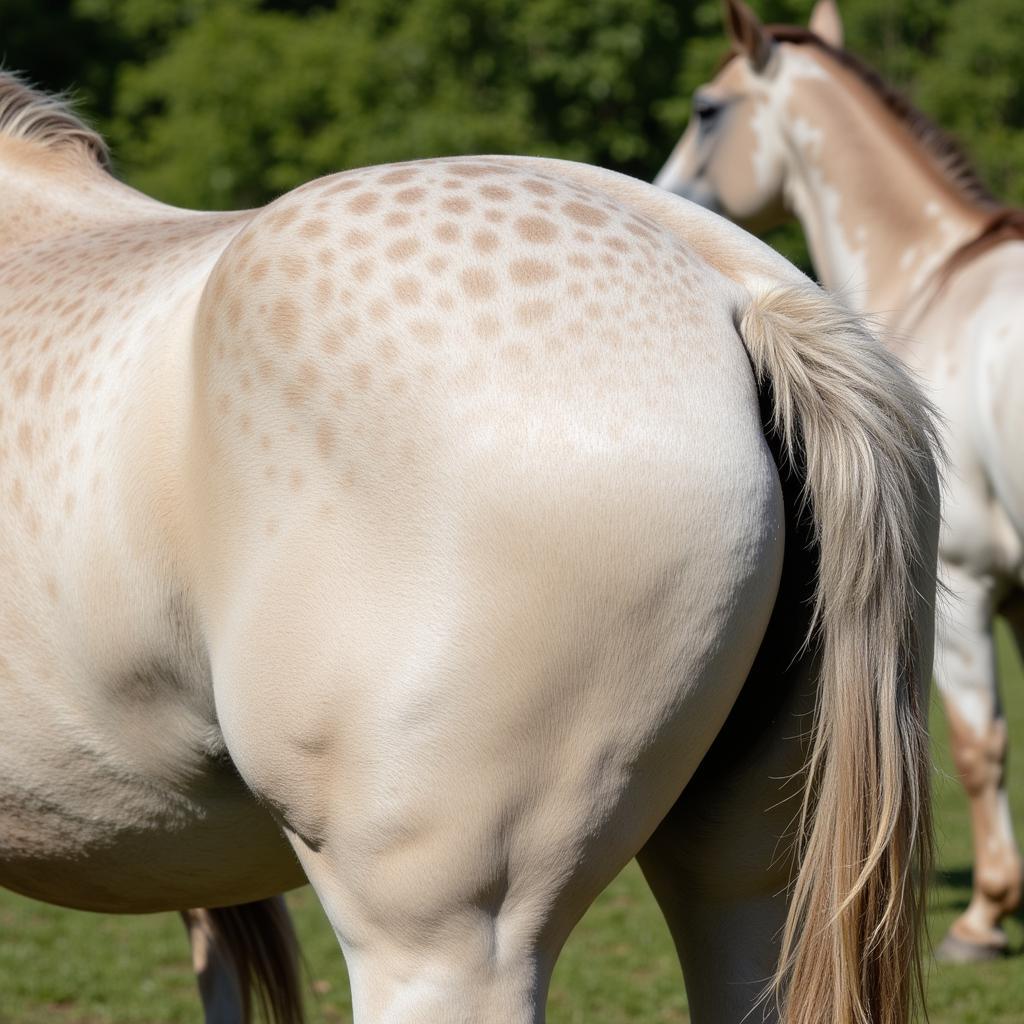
{"points": [[966, 674]]}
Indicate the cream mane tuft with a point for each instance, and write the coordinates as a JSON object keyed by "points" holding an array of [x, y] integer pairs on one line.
{"points": [[27, 113]]}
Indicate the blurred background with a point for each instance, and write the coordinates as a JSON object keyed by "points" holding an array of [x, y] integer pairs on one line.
{"points": [[228, 103]]}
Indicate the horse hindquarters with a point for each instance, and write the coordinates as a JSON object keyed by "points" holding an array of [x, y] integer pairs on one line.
{"points": [[471, 672], [461, 777]]}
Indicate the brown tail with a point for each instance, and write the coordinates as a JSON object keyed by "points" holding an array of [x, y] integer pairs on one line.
{"points": [[861, 433], [260, 941]]}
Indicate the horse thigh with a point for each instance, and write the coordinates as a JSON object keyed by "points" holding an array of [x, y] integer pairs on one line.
{"points": [[459, 811]]}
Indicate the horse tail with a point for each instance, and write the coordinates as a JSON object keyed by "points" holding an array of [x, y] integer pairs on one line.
{"points": [[850, 421], [261, 944]]}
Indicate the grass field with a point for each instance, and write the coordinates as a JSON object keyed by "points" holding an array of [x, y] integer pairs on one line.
{"points": [[65, 967]]}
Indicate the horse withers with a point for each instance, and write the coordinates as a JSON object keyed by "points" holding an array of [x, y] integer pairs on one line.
{"points": [[424, 535], [898, 222]]}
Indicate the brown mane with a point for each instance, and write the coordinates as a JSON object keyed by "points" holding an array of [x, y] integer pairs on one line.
{"points": [[27, 113], [1004, 223]]}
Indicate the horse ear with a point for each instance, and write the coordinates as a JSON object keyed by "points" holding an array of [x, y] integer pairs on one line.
{"points": [[747, 33], [826, 23]]}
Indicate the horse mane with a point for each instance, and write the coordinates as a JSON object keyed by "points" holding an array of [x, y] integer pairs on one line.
{"points": [[1004, 223], [31, 114], [945, 151]]}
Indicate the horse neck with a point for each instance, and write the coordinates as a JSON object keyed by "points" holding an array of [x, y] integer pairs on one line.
{"points": [[880, 215], [46, 194]]}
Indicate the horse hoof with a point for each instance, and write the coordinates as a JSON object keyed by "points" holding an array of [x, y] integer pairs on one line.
{"points": [[953, 950]]}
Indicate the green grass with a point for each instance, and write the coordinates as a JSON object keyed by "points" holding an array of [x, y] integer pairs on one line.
{"points": [[64, 967]]}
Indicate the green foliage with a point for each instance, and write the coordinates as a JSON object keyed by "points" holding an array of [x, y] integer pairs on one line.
{"points": [[227, 103]]}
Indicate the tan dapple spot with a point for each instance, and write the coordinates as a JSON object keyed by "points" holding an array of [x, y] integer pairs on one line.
{"points": [[436, 264], [497, 193], [487, 327], [447, 231], [294, 267], [315, 227], [281, 218], [531, 314], [456, 204], [343, 185], [528, 271], [387, 350], [407, 289], [403, 249], [584, 213], [479, 282], [363, 269], [323, 291], [475, 170], [616, 243], [536, 229], [303, 386], [399, 177], [516, 354], [409, 196], [494, 216], [325, 437], [485, 241], [364, 203], [361, 376], [357, 238], [398, 219]]}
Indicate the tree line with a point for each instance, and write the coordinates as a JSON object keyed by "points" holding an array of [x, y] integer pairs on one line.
{"points": [[227, 103]]}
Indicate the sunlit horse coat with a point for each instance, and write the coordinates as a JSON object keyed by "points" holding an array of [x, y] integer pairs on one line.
{"points": [[417, 534], [899, 223]]}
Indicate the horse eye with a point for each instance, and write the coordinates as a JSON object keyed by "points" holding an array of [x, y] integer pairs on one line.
{"points": [[705, 110]]}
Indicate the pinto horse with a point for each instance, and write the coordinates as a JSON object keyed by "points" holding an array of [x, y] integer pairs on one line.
{"points": [[447, 534], [896, 219]]}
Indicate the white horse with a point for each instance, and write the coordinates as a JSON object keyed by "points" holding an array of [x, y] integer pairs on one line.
{"points": [[417, 535], [897, 220]]}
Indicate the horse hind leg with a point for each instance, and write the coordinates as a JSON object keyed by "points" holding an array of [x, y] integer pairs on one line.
{"points": [[721, 862], [966, 674], [241, 950]]}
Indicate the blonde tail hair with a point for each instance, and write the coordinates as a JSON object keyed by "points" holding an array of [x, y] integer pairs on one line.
{"points": [[852, 422]]}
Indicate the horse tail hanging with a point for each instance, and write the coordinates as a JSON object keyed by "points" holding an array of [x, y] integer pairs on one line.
{"points": [[853, 424], [259, 944]]}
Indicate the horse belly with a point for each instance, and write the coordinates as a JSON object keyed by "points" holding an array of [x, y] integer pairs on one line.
{"points": [[116, 793], [79, 831]]}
